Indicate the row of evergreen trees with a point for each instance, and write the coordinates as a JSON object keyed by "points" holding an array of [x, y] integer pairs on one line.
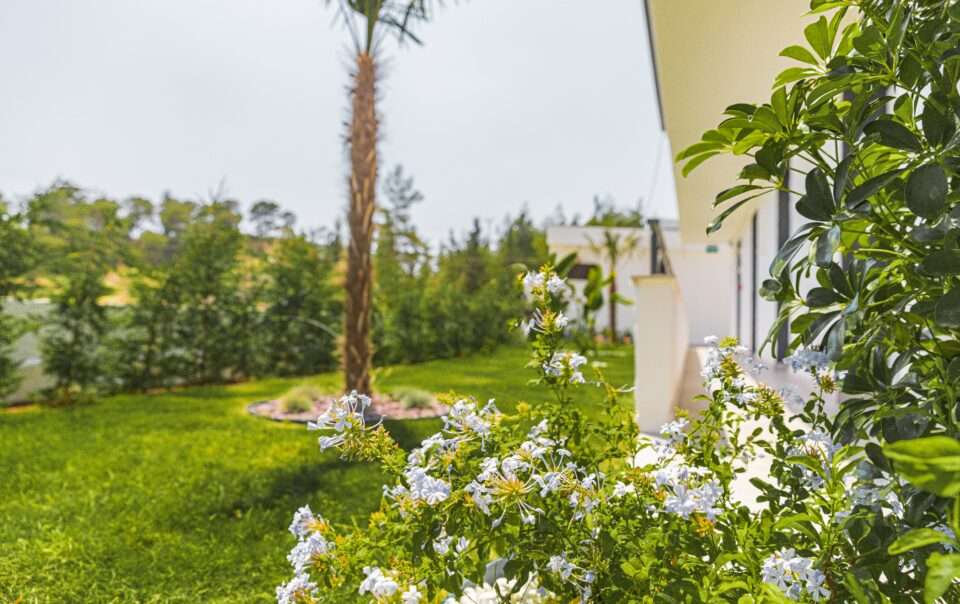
{"points": [[149, 296]]}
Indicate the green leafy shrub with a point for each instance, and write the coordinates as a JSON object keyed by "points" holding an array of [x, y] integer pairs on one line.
{"points": [[300, 398], [544, 506], [443, 305], [303, 309], [72, 341], [864, 132], [18, 256]]}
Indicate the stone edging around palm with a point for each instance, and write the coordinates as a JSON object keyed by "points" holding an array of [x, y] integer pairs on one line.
{"points": [[383, 407]]}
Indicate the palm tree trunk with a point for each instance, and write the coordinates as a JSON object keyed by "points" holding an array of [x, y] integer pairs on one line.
{"points": [[613, 308], [363, 163]]}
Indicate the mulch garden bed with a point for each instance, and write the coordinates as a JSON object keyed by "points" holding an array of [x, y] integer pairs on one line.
{"points": [[382, 407]]}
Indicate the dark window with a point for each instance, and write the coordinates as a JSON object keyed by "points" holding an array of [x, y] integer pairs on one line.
{"points": [[580, 271]]}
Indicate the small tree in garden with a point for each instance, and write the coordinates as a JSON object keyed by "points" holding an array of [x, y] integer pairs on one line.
{"points": [[614, 247], [303, 309], [367, 21], [82, 240], [18, 256], [402, 325], [72, 345], [864, 131]]}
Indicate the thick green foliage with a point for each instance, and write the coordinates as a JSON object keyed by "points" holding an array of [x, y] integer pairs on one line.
{"points": [[865, 133], [303, 312], [17, 257], [199, 302], [73, 350], [456, 303]]}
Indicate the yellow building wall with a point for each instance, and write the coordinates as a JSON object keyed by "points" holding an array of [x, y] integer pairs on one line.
{"points": [[711, 54]]}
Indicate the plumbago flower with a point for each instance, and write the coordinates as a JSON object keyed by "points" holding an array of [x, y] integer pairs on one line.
{"points": [[563, 501], [565, 367], [795, 576], [345, 427]]}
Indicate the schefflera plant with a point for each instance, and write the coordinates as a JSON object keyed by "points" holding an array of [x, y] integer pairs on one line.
{"points": [[863, 130], [565, 502]]}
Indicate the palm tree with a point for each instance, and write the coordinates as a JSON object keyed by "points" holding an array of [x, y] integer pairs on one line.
{"points": [[368, 22], [614, 247]]}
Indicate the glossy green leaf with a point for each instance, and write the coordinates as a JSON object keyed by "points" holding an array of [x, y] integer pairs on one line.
{"points": [[817, 34], [942, 571], [736, 191], [793, 74], [947, 310], [717, 222], [800, 54], [827, 246], [926, 191], [931, 463], [691, 165], [894, 134], [943, 262], [870, 187], [920, 537], [819, 297], [937, 126]]}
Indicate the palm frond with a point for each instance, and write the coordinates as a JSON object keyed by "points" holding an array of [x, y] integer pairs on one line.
{"points": [[397, 17]]}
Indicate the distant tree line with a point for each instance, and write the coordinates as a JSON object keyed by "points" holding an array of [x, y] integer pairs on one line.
{"points": [[155, 295]]}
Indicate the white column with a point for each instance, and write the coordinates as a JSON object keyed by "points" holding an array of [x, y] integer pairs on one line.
{"points": [[661, 341]]}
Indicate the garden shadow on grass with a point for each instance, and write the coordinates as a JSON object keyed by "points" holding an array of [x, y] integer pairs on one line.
{"points": [[341, 490]]}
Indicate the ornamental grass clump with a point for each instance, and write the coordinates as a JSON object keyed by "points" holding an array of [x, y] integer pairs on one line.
{"points": [[300, 398], [545, 505]]}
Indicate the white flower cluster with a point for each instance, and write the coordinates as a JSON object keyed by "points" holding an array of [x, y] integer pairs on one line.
{"points": [[566, 366], [344, 415], [464, 422], [795, 575], [545, 322], [542, 280], [715, 355], [539, 467], [568, 571], [817, 444], [528, 593], [808, 360], [310, 545], [295, 590], [383, 586], [674, 432], [420, 487], [792, 400], [441, 545], [869, 489], [689, 489]]}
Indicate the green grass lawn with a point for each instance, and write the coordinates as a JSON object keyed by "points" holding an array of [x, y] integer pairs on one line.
{"points": [[183, 497]]}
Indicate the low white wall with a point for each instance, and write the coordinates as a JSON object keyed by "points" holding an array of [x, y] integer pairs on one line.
{"points": [[27, 351], [660, 349], [708, 284]]}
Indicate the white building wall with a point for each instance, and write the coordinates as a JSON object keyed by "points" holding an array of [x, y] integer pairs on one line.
{"points": [[705, 274], [767, 246]]}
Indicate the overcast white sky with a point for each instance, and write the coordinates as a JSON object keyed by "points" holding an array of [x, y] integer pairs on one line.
{"points": [[510, 102]]}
